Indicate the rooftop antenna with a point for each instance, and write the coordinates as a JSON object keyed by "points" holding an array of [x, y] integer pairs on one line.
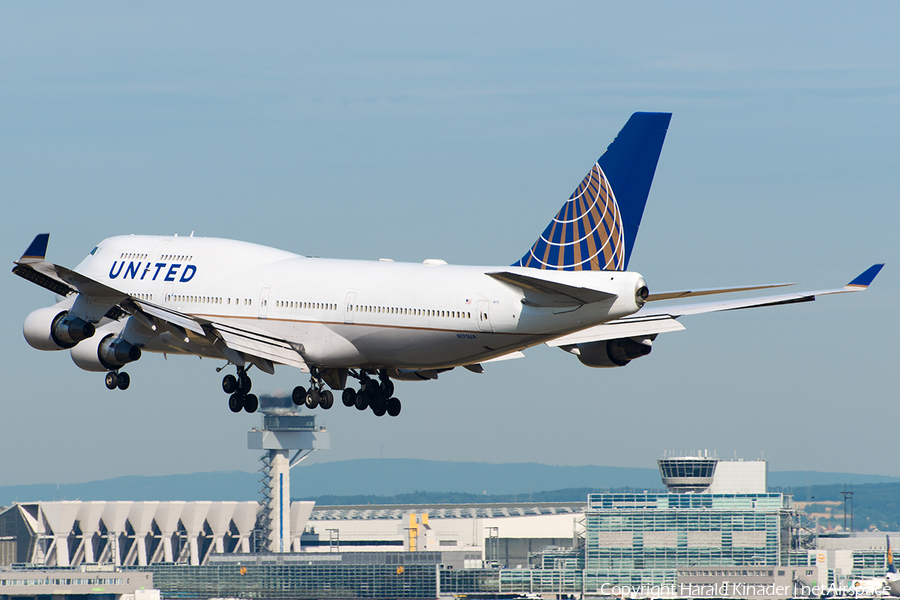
{"points": [[848, 497]]}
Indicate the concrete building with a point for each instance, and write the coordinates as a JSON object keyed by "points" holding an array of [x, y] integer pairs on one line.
{"points": [[96, 584]]}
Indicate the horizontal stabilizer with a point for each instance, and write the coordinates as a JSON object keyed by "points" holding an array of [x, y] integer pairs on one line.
{"points": [[558, 293], [711, 291]]}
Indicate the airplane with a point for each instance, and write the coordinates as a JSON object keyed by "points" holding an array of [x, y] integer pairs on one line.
{"points": [[378, 321], [892, 578]]}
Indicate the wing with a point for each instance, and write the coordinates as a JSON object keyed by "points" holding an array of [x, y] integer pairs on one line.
{"points": [[711, 291], [235, 342], [652, 321]]}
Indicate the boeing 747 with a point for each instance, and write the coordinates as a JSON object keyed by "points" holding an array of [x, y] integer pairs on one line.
{"points": [[378, 321]]}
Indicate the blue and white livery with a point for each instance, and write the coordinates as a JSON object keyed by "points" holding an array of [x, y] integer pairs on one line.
{"points": [[377, 321]]}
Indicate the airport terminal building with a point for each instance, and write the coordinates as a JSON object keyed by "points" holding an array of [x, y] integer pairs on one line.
{"points": [[717, 520]]}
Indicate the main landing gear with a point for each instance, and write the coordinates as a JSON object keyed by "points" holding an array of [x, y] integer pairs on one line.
{"points": [[316, 395], [377, 395], [117, 379], [239, 388]]}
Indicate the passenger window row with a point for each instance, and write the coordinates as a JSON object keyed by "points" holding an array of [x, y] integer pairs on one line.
{"points": [[389, 310], [207, 299], [415, 312], [306, 305]]}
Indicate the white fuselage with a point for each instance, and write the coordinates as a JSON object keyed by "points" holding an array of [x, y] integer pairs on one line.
{"points": [[348, 313]]}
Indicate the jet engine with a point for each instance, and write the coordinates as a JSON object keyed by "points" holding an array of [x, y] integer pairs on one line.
{"points": [[612, 353], [53, 328], [104, 352]]}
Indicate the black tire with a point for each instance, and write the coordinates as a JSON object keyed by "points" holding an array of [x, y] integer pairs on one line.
{"points": [[251, 403], [236, 403], [387, 388], [349, 397], [124, 381], [362, 401], [244, 384], [229, 384], [326, 399], [299, 395], [112, 381], [393, 407], [378, 404], [312, 399]]}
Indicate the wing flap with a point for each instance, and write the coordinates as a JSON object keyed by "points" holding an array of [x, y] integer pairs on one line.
{"points": [[621, 328], [170, 316], [259, 344]]}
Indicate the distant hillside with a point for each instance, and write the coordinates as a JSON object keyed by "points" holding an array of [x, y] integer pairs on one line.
{"points": [[875, 505], [391, 477]]}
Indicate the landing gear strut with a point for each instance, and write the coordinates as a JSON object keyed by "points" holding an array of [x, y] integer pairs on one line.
{"points": [[375, 394], [317, 395], [239, 388]]}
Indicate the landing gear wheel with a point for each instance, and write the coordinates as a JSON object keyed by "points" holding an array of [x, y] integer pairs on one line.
{"points": [[236, 403], [312, 399], [251, 403], [349, 397], [229, 384], [378, 405], [244, 383], [387, 388], [299, 395], [393, 407], [362, 401], [112, 380], [124, 381], [326, 399]]}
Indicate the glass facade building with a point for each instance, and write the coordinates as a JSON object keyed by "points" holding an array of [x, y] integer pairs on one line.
{"points": [[640, 539]]}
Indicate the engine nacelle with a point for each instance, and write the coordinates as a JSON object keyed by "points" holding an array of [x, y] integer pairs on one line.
{"points": [[53, 328], [613, 353], [104, 352]]}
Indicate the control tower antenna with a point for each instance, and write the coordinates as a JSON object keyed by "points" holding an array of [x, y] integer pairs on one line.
{"points": [[284, 430]]}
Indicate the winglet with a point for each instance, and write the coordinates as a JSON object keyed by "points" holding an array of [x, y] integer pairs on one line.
{"points": [[37, 251], [865, 278]]}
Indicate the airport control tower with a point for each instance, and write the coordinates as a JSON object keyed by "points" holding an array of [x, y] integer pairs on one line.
{"points": [[700, 472], [284, 431]]}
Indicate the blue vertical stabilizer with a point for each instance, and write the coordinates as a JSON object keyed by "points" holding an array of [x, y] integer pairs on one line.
{"points": [[597, 226]]}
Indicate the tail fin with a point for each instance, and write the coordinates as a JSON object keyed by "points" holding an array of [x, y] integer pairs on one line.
{"points": [[596, 228], [890, 557]]}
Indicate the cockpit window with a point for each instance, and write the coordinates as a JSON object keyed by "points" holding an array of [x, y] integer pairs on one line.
{"points": [[94, 251]]}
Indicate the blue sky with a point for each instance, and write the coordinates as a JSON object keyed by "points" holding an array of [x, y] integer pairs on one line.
{"points": [[456, 131]]}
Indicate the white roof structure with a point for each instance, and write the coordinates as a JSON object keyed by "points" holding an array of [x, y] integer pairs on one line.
{"points": [[73, 533]]}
